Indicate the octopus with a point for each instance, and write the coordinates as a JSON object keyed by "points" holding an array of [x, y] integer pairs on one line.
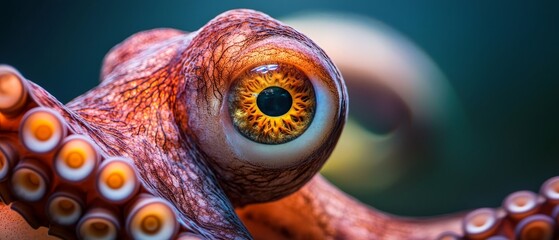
{"points": [[214, 134]]}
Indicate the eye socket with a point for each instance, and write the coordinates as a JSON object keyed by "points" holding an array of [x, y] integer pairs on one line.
{"points": [[272, 103], [314, 92], [225, 134]]}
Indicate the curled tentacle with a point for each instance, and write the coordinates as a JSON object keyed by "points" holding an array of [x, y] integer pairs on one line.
{"points": [[320, 211], [167, 104], [524, 215], [50, 178]]}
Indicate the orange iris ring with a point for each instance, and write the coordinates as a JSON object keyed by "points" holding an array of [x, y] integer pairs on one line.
{"points": [[253, 123]]}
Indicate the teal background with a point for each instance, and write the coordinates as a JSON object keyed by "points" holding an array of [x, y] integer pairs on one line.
{"points": [[501, 57]]}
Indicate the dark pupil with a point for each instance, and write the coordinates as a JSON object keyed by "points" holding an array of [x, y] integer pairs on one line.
{"points": [[274, 101]]}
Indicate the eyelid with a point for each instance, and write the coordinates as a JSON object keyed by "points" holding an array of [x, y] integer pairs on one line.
{"points": [[233, 149], [285, 50], [328, 93]]}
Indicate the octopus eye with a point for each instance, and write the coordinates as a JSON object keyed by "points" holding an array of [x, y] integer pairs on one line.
{"points": [[272, 103], [278, 102], [286, 104]]}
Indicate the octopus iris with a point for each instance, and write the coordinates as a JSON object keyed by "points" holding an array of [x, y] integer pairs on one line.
{"points": [[214, 134]]}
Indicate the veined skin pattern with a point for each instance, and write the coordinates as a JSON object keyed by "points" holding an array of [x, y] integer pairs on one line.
{"points": [[147, 154]]}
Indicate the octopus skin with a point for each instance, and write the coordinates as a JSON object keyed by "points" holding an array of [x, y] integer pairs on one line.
{"points": [[152, 153]]}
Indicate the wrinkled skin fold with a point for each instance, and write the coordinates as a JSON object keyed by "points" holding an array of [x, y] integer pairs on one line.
{"points": [[160, 104]]}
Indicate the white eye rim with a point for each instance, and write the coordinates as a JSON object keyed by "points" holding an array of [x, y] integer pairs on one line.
{"points": [[292, 152]]}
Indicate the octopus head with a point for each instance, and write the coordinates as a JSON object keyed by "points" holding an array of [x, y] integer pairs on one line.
{"points": [[264, 102]]}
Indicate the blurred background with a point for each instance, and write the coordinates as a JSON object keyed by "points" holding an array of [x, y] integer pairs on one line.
{"points": [[487, 71]]}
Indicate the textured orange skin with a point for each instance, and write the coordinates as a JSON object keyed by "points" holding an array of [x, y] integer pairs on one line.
{"points": [[308, 207]]}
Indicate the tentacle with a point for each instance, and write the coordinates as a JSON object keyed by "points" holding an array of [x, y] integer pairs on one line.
{"points": [[55, 177], [108, 197], [523, 215], [169, 163], [143, 111], [320, 211], [43, 125]]}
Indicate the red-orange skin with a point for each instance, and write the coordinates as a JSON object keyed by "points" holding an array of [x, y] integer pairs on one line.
{"points": [[180, 73]]}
